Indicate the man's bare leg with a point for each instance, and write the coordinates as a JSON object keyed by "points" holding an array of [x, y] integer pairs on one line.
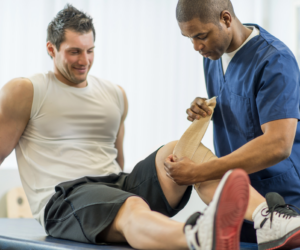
{"points": [[207, 189], [172, 191], [142, 228], [190, 146]]}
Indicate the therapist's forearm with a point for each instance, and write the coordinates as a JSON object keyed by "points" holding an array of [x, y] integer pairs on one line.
{"points": [[260, 153]]}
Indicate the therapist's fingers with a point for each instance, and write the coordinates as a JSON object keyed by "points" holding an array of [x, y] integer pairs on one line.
{"points": [[192, 115], [202, 105], [190, 119], [198, 108]]}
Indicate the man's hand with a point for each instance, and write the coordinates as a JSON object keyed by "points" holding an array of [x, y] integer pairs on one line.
{"points": [[198, 108], [181, 171]]}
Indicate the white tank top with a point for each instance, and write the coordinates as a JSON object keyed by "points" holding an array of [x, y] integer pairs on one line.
{"points": [[71, 133]]}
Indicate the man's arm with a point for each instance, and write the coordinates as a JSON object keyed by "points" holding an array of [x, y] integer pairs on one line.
{"points": [[262, 152], [121, 133], [15, 107], [272, 147]]}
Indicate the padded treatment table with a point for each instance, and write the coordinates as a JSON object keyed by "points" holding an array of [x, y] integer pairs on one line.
{"points": [[27, 234]]}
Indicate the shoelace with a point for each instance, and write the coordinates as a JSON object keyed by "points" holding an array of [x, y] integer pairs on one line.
{"points": [[285, 209], [200, 216]]}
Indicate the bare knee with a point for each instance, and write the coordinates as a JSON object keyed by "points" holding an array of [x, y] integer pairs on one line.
{"points": [[133, 206], [168, 148], [135, 202], [125, 216]]}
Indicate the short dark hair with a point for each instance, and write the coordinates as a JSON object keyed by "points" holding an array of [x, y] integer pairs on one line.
{"points": [[68, 18], [208, 11]]}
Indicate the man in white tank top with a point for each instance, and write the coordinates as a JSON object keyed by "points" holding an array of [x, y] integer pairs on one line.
{"points": [[68, 129]]}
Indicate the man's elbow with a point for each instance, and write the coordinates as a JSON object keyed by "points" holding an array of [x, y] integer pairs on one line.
{"points": [[1, 159], [3, 155]]}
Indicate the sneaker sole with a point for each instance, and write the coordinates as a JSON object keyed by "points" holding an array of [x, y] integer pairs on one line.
{"points": [[289, 241], [231, 209]]}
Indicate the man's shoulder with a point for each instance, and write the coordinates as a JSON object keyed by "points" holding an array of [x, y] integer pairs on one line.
{"points": [[16, 90], [18, 86], [268, 46], [40, 77]]}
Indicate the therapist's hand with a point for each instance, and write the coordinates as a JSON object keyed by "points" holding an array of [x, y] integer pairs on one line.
{"points": [[181, 171], [198, 108]]}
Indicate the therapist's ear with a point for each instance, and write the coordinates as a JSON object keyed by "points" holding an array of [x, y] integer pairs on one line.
{"points": [[226, 18]]}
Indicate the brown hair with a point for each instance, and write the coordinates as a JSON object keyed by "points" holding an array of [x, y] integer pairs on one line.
{"points": [[68, 18]]}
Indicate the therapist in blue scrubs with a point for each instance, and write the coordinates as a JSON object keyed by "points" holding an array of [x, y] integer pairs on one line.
{"points": [[256, 80]]}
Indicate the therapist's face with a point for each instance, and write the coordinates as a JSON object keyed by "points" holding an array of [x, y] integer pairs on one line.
{"points": [[209, 39]]}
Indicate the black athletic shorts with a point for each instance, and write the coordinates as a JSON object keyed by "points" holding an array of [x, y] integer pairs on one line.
{"points": [[81, 209]]}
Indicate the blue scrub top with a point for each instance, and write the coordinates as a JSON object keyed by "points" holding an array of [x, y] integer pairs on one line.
{"points": [[261, 84]]}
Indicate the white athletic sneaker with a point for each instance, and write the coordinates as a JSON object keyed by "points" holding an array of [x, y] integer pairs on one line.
{"points": [[277, 224], [220, 224]]}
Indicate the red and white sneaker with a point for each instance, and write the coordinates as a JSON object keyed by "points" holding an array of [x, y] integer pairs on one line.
{"points": [[220, 225], [277, 224]]}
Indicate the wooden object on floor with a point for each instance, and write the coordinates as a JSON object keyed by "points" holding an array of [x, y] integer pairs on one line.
{"points": [[17, 204]]}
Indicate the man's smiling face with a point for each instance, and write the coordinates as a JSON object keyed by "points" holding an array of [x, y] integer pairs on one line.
{"points": [[75, 56]]}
